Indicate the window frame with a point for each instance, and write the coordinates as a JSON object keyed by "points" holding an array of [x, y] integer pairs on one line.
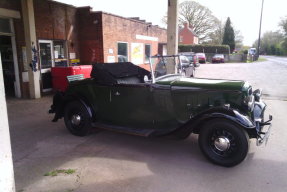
{"points": [[123, 42], [146, 59]]}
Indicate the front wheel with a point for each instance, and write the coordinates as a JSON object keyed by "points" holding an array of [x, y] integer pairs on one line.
{"points": [[224, 143], [77, 119]]}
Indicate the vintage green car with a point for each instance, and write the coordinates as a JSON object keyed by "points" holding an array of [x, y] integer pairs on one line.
{"points": [[126, 98]]}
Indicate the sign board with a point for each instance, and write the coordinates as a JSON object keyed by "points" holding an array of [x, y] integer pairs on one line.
{"points": [[111, 59], [137, 53]]}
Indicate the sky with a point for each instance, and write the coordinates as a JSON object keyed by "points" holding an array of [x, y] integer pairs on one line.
{"points": [[244, 14]]}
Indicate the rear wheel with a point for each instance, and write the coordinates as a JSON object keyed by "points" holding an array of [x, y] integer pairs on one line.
{"points": [[224, 143], [77, 119]]}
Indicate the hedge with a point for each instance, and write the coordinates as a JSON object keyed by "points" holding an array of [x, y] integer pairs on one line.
{"points": [[222, 49]]}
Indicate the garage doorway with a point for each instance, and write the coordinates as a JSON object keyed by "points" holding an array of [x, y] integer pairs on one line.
{"points": [[7, 65], [46, 63], [9, 58]]}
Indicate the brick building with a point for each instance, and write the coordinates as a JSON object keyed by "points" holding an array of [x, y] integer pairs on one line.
{"points": [[187, 36], [104, 37], [47, 33]]}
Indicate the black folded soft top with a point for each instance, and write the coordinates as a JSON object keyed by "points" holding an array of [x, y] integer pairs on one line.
{"points": [[110, 73]]}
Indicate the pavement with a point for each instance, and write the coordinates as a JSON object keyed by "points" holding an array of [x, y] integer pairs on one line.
{"points": [[109, 161]]}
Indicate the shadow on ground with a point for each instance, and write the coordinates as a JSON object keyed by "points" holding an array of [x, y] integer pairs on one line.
{"points": [[108, 161]]}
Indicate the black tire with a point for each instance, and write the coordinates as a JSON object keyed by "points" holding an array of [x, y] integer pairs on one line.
{"points": [[77, 119], [223, 143]]}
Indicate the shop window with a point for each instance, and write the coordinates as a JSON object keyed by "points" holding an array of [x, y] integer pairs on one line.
{"points": [[60, 53], [122, 52], [147, 49], [5, 25]]}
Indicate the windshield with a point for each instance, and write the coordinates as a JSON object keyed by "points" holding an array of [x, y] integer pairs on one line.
{"points": [[166, 65]]}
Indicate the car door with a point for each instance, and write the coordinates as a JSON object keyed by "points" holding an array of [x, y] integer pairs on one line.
{"points": [[132, 106], [164, 116]]}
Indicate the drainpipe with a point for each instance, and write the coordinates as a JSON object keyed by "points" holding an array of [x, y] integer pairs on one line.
{"points": [[7, 182]]}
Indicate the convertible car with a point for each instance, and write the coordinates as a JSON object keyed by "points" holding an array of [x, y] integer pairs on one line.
{"points": [[126, 98]]}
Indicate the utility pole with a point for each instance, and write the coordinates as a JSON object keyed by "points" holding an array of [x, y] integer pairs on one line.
{"points": [[258, 47], [172, 33]]}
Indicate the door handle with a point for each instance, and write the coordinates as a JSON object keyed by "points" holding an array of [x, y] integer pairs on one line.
{"points": [[117, 93]]}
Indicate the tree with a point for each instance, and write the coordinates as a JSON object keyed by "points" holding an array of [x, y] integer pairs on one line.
{"points": [[238, 39], [198, 16], [216, 37], [228, 35], [270, 43], [283, 25]]}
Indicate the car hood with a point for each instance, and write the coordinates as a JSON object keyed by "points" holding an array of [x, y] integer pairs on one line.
{"points": [[218, 84]]}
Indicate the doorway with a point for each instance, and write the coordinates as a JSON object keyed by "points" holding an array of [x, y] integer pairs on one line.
{"points": [[7, 65], [46, 63]]}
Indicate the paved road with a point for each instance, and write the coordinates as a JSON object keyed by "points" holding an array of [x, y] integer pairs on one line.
{"points": [[270, 75], [108, 161], [280, 60]]}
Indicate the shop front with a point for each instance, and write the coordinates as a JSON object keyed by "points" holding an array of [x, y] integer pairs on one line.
{"points": [[52, 54]]}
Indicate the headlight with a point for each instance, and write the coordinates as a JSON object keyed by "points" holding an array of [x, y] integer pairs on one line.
{"points": [[249, 101]]}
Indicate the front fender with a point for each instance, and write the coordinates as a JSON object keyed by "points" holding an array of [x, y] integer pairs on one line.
{"points": [[232, 115], [196, 122]]}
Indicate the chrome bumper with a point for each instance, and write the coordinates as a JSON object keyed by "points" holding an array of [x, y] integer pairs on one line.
{"points": [[262, 137], [258, 113]]}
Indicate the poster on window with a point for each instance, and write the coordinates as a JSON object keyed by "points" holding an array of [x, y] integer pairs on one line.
{"points": [[137, 53]]}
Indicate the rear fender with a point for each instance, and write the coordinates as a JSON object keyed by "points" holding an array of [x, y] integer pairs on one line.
{"points": [[60, 100]]}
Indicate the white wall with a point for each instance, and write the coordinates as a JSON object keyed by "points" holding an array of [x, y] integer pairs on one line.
{"points": [[6, 164]]}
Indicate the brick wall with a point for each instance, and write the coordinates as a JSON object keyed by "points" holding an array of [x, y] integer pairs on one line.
{"points": [[119, 29], [100, 32], [90, 36], [56, 21]]}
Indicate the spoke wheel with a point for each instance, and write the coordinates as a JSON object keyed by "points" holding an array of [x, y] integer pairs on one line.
{"points": [[77, 119], [224, 143]]}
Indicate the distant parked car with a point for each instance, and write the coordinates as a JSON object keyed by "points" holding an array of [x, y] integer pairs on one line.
{"points": [[191, 57], [187, 68], [218, 58], [201, 57]]}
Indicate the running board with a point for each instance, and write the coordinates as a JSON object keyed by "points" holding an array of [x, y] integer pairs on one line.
{"points": [[127, 130]]}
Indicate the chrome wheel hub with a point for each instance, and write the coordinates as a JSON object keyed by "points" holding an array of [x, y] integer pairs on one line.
{"points": [[222, 143], [76, 119]]}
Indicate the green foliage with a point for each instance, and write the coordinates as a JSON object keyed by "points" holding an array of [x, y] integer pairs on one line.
{"points": [[58, 171], [283, 44], [271, 43], [228, 35], [222, 49], [283, 25]]}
